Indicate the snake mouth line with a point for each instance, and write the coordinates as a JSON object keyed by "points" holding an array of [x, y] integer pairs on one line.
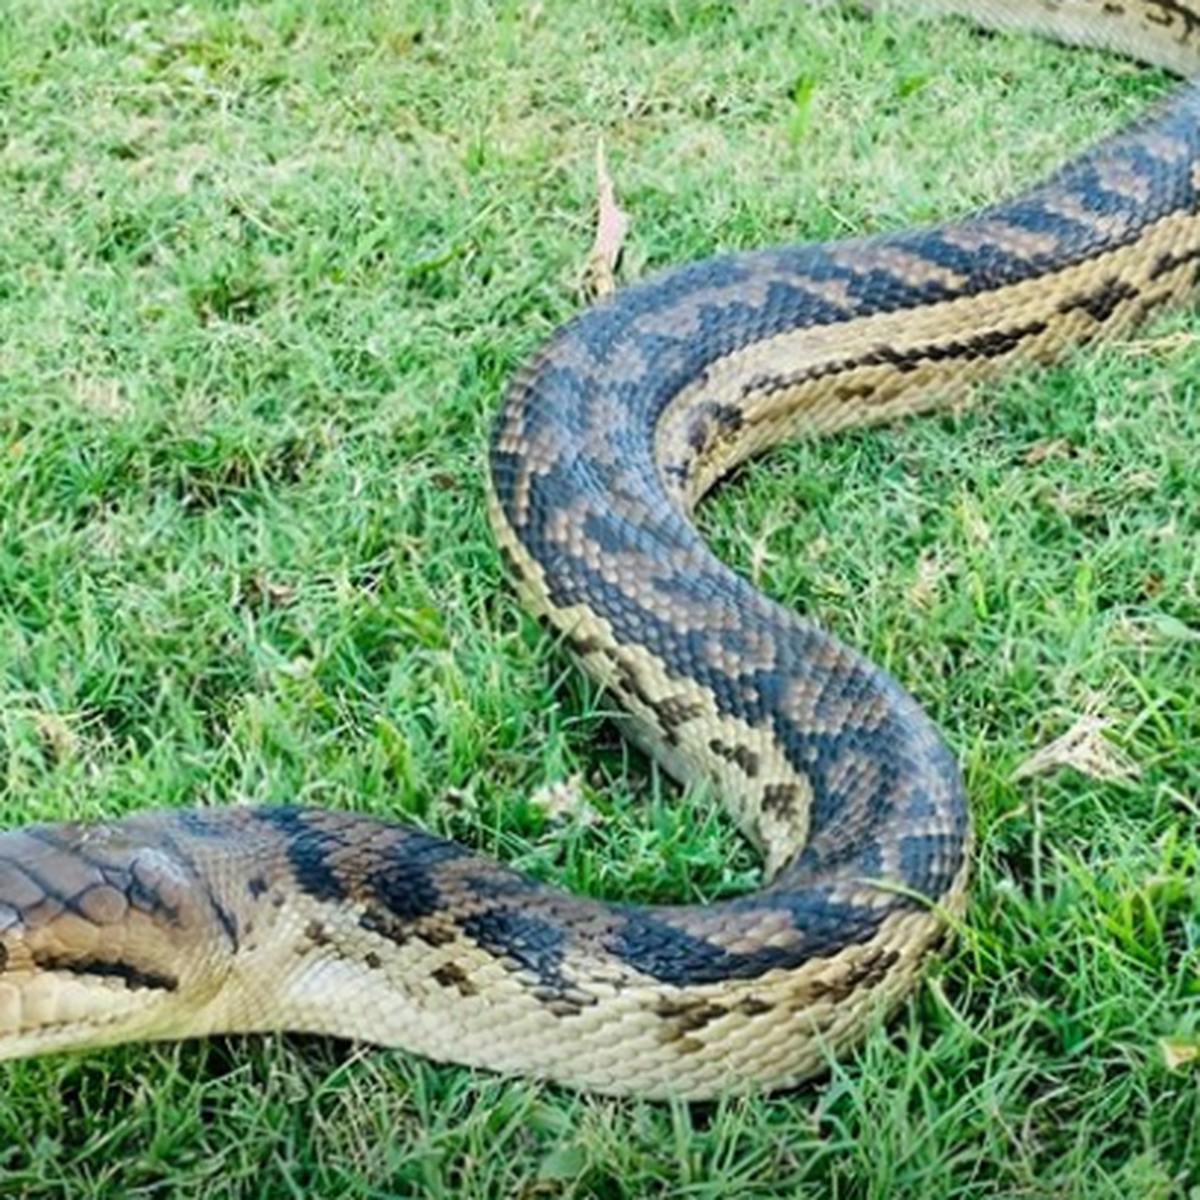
{"points": [[135, 979]]}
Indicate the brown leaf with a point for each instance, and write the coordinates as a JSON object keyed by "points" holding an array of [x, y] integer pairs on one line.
{"points": [[599, 276], [103, 396], [1082, 748], [1178, 1054], [1047, 449], [564, 800], [926, 585], [56, 734]]}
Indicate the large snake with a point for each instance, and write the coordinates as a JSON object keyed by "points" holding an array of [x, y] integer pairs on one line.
{"points": [[181, 923]]}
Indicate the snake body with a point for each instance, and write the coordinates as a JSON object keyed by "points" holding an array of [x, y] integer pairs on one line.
{"points": [[182, 923]]}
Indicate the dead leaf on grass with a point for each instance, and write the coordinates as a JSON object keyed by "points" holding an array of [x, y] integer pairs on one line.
{"points": [[1178, 1054], [1083, 748], [925, 588], [1047, 449], [563, 800], [600, 273], [103, 396], [57, 735]]}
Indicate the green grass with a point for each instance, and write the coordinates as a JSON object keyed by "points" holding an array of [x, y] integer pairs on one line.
{"points": [[264, 270]]}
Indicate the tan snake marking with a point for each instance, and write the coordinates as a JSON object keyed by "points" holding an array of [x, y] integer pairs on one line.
{"points": [[174, 924]]}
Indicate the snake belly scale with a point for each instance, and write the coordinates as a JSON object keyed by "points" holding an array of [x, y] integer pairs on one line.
{"points": [[170, 924]]}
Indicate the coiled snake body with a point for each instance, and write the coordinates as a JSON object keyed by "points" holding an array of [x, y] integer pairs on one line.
{"points": [[172, 924]]}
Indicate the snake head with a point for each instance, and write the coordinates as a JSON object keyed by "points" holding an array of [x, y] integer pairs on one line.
{"points": [[93, 925]]}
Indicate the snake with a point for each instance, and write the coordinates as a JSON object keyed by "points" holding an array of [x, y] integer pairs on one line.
{"points": [[168, 924]]}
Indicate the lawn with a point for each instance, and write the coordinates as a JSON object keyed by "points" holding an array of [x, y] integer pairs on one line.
{"points": [[264, 271]]}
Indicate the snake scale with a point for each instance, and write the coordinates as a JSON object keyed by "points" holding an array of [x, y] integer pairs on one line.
{"points": [[182, 923]]}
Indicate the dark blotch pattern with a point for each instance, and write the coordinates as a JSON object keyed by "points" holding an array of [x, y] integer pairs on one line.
{"points": [[781, 799], [864, 974], [450, 975], [678, 948], [526, 941], [308, 854], [1104, 301], [406, 883], [741, 756], [683, 1017]]}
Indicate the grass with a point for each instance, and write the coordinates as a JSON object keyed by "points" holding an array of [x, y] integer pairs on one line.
{"points": [[264, 270]]}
